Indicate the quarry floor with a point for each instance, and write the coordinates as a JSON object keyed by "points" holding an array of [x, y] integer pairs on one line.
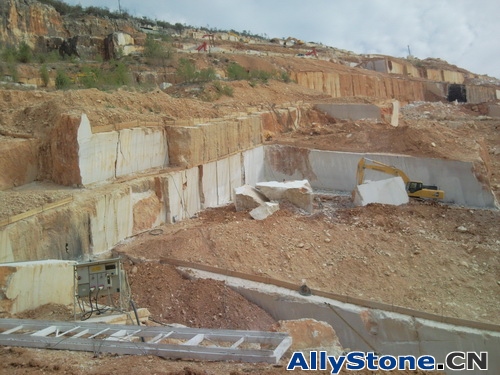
{"points": [[426, 256]]}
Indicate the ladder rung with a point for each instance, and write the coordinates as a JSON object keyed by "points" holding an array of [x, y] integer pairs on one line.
{"points": [[98, 333], [237, 343], [81, 333], [68, 331], [159, 337], [12, 330], [195, 340], [46, 331], [122, 335]]}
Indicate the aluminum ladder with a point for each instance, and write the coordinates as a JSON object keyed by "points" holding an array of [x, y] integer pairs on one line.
{"points": [[166, 342]]}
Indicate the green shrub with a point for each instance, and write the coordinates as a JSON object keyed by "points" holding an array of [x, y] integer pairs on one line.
{"points": [[206, 75], [120, 75], [223, 89], [260, 75], [44, 74], [47, 57], [236, 72], [285, 77], [24, 53], [89, 77], [62, 80], [9, 54], [186, 71], [155, 52], [14, 74]]}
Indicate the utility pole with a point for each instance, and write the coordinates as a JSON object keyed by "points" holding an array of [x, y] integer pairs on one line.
{"points": [[119, 7], [409, 52]]}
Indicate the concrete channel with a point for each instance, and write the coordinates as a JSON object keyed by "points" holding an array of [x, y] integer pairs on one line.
{"points": [[372, 327]]}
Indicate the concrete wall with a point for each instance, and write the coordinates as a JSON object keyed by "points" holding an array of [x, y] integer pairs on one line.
{"points": [[330, 171], [363, 329], [28, 285], [367, 329]]}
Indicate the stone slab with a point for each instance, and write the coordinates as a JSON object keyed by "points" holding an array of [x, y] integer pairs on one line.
{"points": [[247, 197], [264, 211], [390, 191], [298, 193]]}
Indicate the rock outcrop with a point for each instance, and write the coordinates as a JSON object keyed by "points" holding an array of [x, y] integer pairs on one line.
{"points": [[45, 30]]}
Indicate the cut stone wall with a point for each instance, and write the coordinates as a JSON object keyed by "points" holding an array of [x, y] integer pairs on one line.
{"points": [[206, 142], [336, 171], [351, 111], [480, 94], [103, 156], [348, 85], [98, 218], [18, 162], [28, 285]]}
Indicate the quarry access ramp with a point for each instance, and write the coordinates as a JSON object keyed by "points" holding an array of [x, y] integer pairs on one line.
{"points": [[167, 342]]}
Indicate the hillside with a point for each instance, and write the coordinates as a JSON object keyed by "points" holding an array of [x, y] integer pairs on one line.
{"points": [[127, 79]]}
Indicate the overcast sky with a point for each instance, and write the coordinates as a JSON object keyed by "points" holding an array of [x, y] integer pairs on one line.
{"points": [[463, 32]]}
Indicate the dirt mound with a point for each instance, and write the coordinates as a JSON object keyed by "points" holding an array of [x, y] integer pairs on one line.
{"points": [[174, 298]]}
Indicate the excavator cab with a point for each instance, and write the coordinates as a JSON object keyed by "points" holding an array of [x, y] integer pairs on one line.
{"points": [[414, 186]]}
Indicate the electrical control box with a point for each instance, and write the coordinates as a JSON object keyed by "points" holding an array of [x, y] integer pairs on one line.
{"points": [[103, 275]]}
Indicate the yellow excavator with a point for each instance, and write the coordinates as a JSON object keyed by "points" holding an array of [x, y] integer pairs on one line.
{"points": [[415, 189], [296, 41]]}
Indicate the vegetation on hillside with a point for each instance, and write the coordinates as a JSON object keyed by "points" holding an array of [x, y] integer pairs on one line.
{"points": [[63, 72]]}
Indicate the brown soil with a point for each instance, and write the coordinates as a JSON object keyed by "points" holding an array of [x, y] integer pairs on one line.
{"points": [[174, 298], [413, 256]]}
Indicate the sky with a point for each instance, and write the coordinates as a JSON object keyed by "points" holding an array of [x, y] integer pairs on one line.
{"points": [[463, 32]]}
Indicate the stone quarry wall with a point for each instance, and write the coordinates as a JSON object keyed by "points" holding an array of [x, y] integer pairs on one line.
{"points": [[18, 162], [463, 182], [206, 142], [480, 94], [81, 155], [339, 84], [96, 220], [28, 285], [107, 155]]}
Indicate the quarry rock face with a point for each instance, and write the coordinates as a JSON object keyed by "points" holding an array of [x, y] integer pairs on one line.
{"points": [[27, 20], [18, 293], [45, 30]]}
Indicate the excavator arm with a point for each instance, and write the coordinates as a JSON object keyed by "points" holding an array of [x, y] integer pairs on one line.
{"points": [[415, 189]]}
